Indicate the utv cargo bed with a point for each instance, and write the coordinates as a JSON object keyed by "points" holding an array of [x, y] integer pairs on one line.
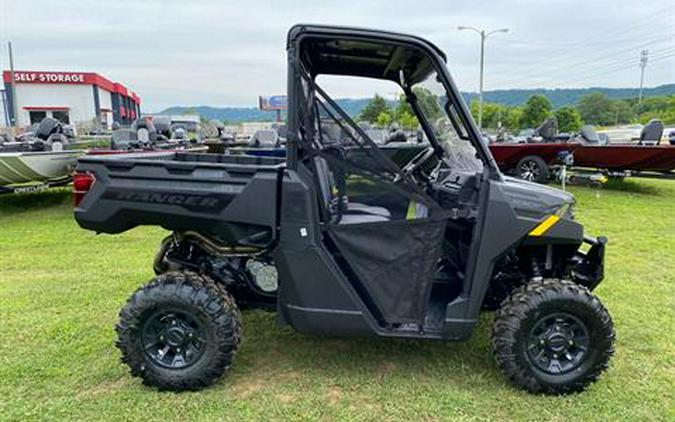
{"points": [[180, 191]]}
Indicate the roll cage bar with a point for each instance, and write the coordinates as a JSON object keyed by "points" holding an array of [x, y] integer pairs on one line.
{"points": [[315, 50], [386, 168]]}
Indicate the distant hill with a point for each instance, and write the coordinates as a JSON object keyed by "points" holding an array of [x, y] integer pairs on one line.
{"points": [[561, 97], [353, 106]]}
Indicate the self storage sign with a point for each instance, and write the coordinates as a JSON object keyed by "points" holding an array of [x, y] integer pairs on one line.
{"points": [[50, 77]]}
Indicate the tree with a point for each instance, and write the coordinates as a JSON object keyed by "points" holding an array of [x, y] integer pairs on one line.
{"points": [[407, 120], [427, 101], [569, 119], [623, 112], [536, 110], [511, 118], [402, 106], [373, 109], [654, 104], [662, 107], [404, 114], [493, 114], [383, 119], [596, 109]]}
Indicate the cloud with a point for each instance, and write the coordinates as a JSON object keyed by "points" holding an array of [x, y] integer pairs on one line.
{"points": [[227, 53]]}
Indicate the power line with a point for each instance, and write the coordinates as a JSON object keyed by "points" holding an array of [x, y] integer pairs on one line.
{"points": [[587, 65], [667, 56], [613, 70], [629, 65], [595, 75], [622, 61], [619, 29], [621, 48], [608, 36], [576, 44]]}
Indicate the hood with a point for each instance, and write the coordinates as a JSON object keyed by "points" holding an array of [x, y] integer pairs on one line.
{"points": [[533, 200]]}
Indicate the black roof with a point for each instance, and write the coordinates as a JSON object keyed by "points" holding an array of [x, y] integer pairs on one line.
{"points": [[363, 52]]}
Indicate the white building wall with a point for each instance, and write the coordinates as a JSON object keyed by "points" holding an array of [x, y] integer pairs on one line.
{"points": [[104, 98], [78, 98], [106, 103]]}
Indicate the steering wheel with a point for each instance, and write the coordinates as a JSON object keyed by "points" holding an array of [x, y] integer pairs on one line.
{"points": [[414, 164]]}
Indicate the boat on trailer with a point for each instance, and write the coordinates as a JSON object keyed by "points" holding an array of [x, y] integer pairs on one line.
{"points": [[619, 158], [587, 150], [36, 170], [650, 154], [37, 159]]}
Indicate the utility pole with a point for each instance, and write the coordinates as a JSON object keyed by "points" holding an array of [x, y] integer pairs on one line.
{"points": [[482, 72], [12, 83], [483, 37], [644, 56]]}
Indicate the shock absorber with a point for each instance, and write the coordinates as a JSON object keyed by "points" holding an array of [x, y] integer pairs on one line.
{"points": [[537, 274]]}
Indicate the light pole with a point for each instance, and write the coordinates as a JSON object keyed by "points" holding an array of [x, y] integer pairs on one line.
{"points": [[483, 37], [12, 87]]}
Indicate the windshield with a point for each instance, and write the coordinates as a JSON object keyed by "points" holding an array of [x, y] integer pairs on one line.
{"points": [[447, 127]]}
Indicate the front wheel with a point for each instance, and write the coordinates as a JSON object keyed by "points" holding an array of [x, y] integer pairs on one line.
{"points": [[179, 332], [552, 337]]}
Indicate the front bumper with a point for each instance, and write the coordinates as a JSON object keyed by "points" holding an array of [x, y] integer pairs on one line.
{"points": [[588, 269]]}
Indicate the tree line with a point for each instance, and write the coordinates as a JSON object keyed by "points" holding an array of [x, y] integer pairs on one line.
{"points": [[594, 108], [382, 114]]}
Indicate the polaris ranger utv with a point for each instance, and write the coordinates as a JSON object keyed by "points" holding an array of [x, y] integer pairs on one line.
{"points": [[344, 246]]}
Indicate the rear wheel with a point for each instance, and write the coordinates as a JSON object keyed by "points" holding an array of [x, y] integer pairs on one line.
{"points": [[179, 332], [553, 337], [533, 169]]}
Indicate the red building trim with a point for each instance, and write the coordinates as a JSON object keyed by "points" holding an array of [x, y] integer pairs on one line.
{"points": [[135, 98], [125, 102], [102, 82], [120, 89], [76, 78]]}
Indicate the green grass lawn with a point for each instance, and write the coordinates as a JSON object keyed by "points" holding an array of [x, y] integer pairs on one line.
{"points": [[61, 288]]}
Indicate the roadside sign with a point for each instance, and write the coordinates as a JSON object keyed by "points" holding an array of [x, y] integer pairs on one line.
{"points": [[272, 102]]}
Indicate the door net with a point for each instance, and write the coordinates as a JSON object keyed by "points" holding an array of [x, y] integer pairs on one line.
{"points": [[384, 228]]}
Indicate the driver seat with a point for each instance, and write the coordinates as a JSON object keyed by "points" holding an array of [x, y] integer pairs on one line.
{"points": [[352, 212], [349, 212]]}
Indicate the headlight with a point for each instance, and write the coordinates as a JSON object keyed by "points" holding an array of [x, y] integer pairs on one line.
{"points": [[566, 211]]}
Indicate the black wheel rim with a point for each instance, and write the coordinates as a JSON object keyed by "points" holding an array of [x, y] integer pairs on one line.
{"points": [[558, 343], [529, 170], [173, 338]]}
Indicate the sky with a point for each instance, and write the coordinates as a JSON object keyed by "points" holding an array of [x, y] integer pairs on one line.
{"points": [[226, 53]]}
